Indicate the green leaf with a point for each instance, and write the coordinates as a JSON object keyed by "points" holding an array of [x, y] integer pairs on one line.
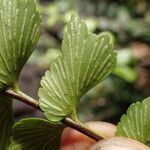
{"points": [[85, 61], [20, 25], [6, 121], [37, 134], [14, 146], [127, 73], [136, 123]]}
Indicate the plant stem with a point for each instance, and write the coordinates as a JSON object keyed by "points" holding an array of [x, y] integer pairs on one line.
{"points": [[67, 121], [23, 98], [82, 128]]}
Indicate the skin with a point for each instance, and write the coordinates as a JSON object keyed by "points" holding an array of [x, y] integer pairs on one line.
{"points": [[74, 140], [119, 143]]}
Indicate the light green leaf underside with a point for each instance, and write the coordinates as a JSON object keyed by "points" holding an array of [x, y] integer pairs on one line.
{"points": [[85, 61], [14, 146], [37, 134], [6, 121], [136, 123], [20, 25]]}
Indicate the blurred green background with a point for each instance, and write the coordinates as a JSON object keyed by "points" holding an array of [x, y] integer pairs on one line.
{"points": [[129, 21]]}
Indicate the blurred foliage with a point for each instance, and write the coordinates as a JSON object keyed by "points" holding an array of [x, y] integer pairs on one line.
{"points": [[129, 21], [125, 65]]}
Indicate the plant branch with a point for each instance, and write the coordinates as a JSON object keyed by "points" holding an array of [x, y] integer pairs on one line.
{"points": [[23, 98], [83, 129], [67, 121]]}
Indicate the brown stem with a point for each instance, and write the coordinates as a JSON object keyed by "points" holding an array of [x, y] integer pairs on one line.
{"points": [[67, 121], [23, 98], [82, 128]]}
